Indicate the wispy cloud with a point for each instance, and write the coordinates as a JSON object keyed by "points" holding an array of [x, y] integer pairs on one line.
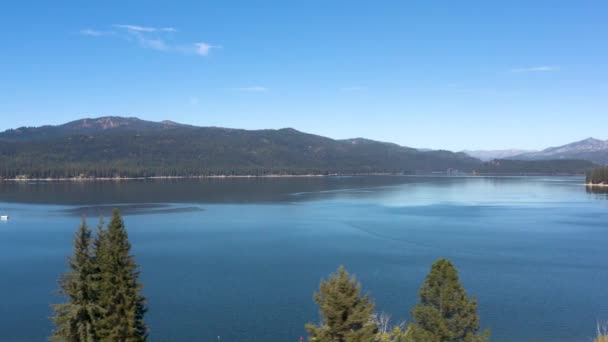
{"points": [[203, 49], [258, 89], [154, 38], [143, 28], [94, 33], [543, 68]]}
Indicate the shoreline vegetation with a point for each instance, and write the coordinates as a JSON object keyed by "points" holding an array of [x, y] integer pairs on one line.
{"points": [[87, 179], [110, 147], [126, 178], [597, 177]]}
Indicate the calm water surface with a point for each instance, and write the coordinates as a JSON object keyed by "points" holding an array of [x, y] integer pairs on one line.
{"points": [[240, 258]]}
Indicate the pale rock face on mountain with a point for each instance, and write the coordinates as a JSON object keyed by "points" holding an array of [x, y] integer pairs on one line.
{"points": [[107, 122]]}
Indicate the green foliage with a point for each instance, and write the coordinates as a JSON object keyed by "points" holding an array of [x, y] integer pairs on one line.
{"points": [[119, 289], [445, 313], [76, 319], [399, 335], [598, 176], [396, 335], [129, 147], [557, 166], [345, 315], [102, 289]]}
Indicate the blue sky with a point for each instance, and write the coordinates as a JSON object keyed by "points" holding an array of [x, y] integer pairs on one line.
{"points": [[436, 74]]}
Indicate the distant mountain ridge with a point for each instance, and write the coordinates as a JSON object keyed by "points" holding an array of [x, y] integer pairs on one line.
{"points": [[590, 149], [86, 126], [116, 146], [488, 155], [131, 147]]}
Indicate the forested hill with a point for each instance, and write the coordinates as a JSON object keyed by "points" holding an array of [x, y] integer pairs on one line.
{"points": [[531, 167], [130, 147]]}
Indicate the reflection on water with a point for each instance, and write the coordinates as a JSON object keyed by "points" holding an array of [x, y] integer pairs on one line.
{"points": [[598, 190], [209, 190], [240, 258], [129, 209], [262, 190]]}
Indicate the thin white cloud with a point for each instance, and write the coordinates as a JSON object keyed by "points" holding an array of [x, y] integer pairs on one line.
{"points": [[256, 89], [543, 68], [203, 49], [137, 28], [94, 33], [155, 38]]}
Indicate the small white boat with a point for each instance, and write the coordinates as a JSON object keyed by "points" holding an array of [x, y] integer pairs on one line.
{"points": [[4, 218]]}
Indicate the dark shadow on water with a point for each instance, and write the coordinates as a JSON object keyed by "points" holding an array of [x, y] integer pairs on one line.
{"points": [[598, 190], [228, 190], [238, 190], [129, 209]]}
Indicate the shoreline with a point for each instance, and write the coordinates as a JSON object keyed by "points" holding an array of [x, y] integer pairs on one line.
{"points": [[94, 179], [117, 179], [599, 185]]}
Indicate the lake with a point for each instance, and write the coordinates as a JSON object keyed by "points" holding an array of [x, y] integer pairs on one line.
{"points": [[241, 258]]}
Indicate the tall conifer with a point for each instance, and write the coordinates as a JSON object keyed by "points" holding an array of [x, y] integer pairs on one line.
{"points": [[445, 313], [75, 320], [345, 315], [119, 291]]}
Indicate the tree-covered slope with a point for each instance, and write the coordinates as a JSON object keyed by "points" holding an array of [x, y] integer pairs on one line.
{"points": [[597, 176], [115, 146], [559, 166]]}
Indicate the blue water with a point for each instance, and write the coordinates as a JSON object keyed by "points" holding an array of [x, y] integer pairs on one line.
{"points": [[240, 258]]}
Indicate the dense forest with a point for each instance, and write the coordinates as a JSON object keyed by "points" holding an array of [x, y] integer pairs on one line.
{"points": [[597, 176], [129, 147], [530, 167]]}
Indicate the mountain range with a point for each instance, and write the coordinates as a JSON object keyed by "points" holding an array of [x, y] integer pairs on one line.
{"points": [[119, 146], [487, 155], [591, 149], [130, 147]]}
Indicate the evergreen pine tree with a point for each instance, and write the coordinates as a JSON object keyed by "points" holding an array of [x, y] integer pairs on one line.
{"points": [[445, 313], [76, 320], [345, 315], [119, 290]]}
